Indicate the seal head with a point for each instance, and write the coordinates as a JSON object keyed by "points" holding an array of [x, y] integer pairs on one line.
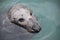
{"points": [[22, 15]]}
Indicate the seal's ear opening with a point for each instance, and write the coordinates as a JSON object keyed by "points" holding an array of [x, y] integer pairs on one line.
{"points": [[31, 14]]}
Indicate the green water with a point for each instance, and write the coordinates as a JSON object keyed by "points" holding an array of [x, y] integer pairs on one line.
{"points": [[47, 12]]}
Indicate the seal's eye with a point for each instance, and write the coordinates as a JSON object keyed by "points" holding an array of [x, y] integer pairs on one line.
{"points": [[21, 19], [30, 13]]}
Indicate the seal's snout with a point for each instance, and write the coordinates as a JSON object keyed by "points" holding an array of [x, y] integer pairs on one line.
{"points": [[35, 26]]}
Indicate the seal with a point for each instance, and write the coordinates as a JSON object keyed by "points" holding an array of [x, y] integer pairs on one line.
{"points": [[22, 15]]}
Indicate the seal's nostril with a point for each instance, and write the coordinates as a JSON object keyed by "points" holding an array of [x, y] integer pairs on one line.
{"points": [[21, 19]]}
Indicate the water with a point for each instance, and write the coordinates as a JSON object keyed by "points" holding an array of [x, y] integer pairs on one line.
{"points": [[47, 13]]}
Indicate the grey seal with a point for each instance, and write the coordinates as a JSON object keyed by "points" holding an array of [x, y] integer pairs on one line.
{"points": [[22, 15]]}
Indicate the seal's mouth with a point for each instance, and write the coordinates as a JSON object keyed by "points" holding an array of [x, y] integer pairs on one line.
{"points": [[35, 30]]}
